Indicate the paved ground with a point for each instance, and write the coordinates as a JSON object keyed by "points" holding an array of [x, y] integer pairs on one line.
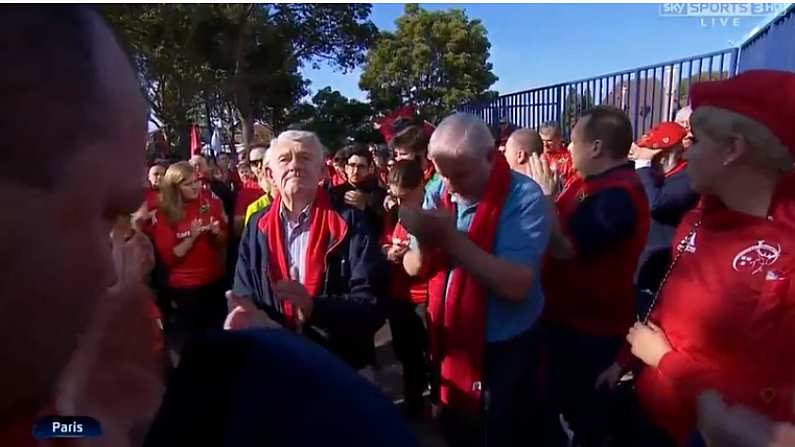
{"points": [[389, 380]]}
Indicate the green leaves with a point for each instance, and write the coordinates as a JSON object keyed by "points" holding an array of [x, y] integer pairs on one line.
{"points": [[336, 118], [196, 57], [436, 60]]}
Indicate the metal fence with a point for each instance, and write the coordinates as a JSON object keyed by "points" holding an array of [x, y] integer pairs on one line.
{"points": [[648, 94]]}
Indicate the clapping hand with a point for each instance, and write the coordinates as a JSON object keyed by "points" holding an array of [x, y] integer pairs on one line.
{"points": [[356, 199], [547, 178], [196, 228], [243, 314], [428, 226], [396, 252]]}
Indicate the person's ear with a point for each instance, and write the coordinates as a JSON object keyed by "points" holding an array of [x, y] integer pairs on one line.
{"points": [[522, 157], [735, 149], [596, 149]]}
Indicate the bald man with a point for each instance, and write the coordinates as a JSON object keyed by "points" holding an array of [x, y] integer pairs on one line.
{"points": [[520, 146], [58, 219], [480, 235]]}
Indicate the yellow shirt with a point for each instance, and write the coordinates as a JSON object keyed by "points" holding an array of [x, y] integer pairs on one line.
{"points": [[257, 205]]}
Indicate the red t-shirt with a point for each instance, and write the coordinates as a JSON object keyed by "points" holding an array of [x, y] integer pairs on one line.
{"points": [[151, 198], [728, 311], [560, 162], [249, 192], [403, 286], [203, 263]]}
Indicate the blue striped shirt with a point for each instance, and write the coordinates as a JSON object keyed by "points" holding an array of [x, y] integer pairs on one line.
{"points": [[296, 237]]}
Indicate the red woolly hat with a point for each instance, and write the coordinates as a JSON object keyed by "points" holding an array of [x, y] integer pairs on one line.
{"points": [[767, 96], [663, 136]]}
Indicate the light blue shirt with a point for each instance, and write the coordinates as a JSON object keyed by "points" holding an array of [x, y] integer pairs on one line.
{"points": [[522, 237]]}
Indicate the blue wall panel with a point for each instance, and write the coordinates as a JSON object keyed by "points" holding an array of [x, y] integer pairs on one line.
{"points": [[773, 47]]}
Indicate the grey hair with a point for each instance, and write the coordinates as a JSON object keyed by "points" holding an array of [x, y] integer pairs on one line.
{"points": [[550, 125], [303, 137], [461, 134], [769, 152]]}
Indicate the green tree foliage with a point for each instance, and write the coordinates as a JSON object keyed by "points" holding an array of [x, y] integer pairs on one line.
{"points": [[161, 39], [336, 119], [241, 56], [436, 60]]}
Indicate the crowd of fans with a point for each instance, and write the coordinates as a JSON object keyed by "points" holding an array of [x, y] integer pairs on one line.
{"points": [[608, 292]]}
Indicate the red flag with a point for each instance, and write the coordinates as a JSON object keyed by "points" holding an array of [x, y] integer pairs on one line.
{"points": [[195, 141], [386, 124]]}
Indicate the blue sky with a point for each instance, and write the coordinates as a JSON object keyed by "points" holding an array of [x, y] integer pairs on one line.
{"points": [[533, 45]]}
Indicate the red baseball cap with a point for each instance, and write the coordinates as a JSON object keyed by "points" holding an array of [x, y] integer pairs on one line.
{"points": [[767, 96], [663, 136]]}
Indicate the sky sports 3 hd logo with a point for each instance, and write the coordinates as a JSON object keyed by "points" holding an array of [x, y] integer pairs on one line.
{"points": [[719, 14], [66, 427]]}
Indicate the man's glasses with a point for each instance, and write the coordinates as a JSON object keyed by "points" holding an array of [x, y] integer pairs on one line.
{"points": [[256, 163], [355, 166]]}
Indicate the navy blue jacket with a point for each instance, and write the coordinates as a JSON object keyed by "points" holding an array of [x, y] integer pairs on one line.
{"points": [[271, 388], [345, 315], [669, 200]]}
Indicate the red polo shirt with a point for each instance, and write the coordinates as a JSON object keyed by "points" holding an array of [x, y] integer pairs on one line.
{"points": [[403, 286], [203, 264], [728, 310], [560, 162]]}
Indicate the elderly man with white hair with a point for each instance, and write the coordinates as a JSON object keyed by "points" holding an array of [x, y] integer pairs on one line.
{"points": [[305, 263], [480, 236], [683, 119]]}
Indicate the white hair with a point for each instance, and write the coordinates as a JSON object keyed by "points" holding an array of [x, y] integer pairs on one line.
{"points": [[461, 134], [683, 114], [303, 137]]}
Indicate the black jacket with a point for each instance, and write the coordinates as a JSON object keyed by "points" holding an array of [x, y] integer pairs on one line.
{"points": [[375, 202], [669, 200], [345, 315], [271, 388]]}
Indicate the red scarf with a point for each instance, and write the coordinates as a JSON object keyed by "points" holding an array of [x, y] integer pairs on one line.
{"points": [[680, 166], [326, 230], [429, 172], [458, 322]]}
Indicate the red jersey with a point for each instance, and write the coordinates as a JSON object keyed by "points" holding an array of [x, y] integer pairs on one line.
{"points": [[596, 294], [728, 311], [560, 162], [403, 286], [249, 192], [151, 198], [203, 264]]}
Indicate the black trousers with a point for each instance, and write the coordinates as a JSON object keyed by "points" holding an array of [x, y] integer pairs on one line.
{"points": [[513, 401], [195, 310], [575, 360], [410, 342]]}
